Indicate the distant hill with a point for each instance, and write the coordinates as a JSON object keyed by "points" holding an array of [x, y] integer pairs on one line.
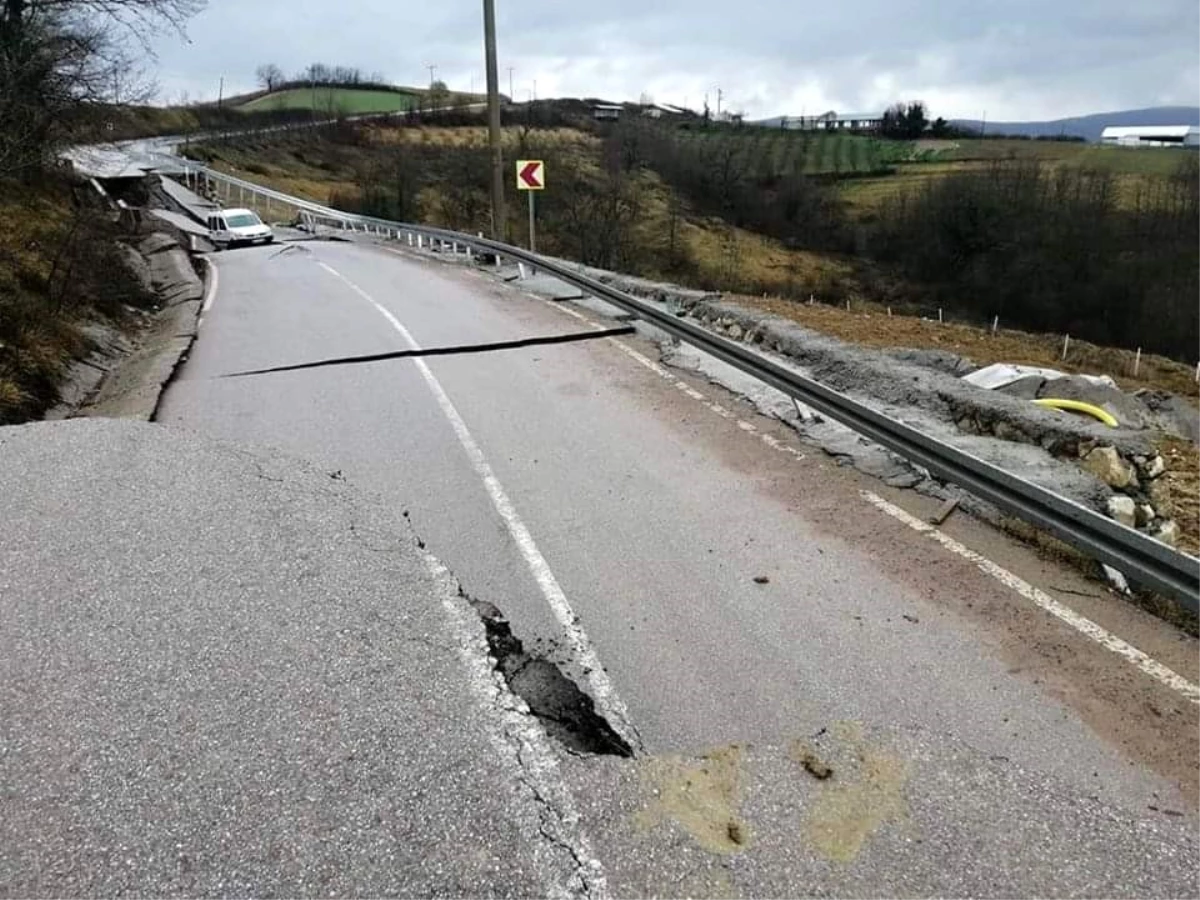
{"points": [[341, 99], [1089, 127]]}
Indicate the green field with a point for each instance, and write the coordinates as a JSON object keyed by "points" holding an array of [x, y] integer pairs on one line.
{"points": [[1119, 160], [1134, 167], [772, 152], [349, 101]]}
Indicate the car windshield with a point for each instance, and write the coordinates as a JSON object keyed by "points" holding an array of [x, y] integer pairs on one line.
{"points": [[241, 220]]}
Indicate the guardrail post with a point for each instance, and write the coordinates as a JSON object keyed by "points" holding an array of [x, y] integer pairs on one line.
{"points": [[419, 241]]}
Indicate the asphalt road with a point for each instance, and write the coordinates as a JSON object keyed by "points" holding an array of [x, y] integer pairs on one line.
{"points": [[712, 588], [228, 673]]}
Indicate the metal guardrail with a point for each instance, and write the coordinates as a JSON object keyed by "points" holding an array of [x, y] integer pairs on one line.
{"points": [[1142, 559]]}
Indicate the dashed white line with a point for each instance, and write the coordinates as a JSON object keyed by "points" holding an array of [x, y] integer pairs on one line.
{"points": [[1105, 638], [749, 427], [1100, 635], [602, 689]]}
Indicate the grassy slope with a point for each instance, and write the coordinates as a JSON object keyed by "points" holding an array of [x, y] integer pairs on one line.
{"points": [[726, 258], [762, 264], [352, 101]]}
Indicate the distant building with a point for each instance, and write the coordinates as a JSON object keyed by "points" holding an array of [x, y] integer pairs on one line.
{"points": [[1152, 136], [606, 112], [833, 121], [658, 110]]}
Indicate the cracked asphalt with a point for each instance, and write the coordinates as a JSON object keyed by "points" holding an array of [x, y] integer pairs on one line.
{"points": [[231, 674], [747, 607]]}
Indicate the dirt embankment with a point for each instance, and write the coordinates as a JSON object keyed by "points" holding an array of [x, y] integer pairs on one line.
{"points": [[871, 326], [82, 289]]}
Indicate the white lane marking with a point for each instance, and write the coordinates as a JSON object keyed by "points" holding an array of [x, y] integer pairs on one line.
{"points": [[1102, 636], [771, 441], [602, 689], [527, 752], [211, 294], [1145, 663]]}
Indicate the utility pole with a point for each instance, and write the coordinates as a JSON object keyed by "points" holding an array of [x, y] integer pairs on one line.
{"points": [[510, 86], [431, 69], [720, 95], [221, 92], [499, 222]]}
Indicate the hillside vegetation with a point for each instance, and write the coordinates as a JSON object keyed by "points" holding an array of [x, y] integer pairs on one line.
{"points": [[64, 276], [1037, 233], [336, 100]]}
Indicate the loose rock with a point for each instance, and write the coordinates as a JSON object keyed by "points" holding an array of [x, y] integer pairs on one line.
{"points": [[1168, 533], [1155, 466], [1107, 464], [1122, 509]]}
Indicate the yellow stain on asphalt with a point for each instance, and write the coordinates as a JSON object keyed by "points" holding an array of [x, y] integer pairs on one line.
{"points": [[703, 796], [853, 805]]}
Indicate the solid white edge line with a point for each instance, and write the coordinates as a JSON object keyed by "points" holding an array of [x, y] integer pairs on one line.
{"points": [[1100, 635], [602, 689], [524, 746], [683, 386], [210, 293]]}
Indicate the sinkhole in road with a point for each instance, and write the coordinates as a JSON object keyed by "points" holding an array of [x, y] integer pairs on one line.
{"points": [[565, 711]]}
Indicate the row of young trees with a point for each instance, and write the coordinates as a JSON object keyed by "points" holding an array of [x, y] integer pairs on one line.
{"points": [[1057, 249], [1047, 248], [272, 78], [591, 214]]}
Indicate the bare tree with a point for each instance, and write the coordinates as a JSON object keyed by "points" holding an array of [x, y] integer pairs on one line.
{"points": [[269, 76], [57, 57]]}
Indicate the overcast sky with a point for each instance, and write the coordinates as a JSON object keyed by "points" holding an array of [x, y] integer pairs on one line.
{"points": [[1013, 59]]}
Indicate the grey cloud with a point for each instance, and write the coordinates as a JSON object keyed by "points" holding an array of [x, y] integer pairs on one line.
{"points": [[1020, 58]]}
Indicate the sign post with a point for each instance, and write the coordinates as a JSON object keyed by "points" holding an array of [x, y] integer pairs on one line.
{"points": [[531, 178]]}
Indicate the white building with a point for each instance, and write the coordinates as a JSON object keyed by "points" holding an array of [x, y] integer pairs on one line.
{"points": [[1152, 136]]}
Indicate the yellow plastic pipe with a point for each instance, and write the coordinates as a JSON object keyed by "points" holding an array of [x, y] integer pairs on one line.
{"points": [[1078, 406]]}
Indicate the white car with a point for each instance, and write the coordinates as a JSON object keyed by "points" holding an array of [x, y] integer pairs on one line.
{"points": [[231, 227]]}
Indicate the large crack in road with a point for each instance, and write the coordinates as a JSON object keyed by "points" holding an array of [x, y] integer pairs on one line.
{"points": [[565, 711]]}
